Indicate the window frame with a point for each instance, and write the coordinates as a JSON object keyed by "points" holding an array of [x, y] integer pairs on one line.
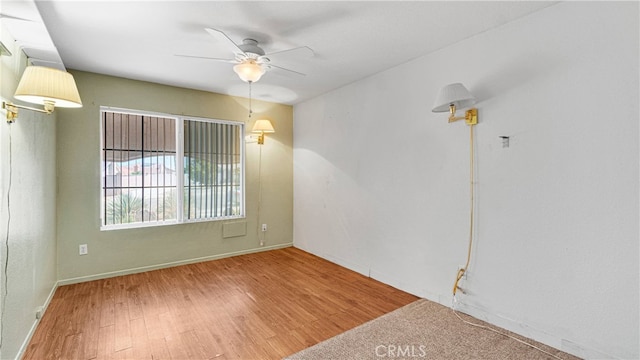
{"points": [[180, 187]]}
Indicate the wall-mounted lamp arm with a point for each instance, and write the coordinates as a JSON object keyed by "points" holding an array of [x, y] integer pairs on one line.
{"points": [[12, 109], [261, 138], [256, 138], [470, 116]]}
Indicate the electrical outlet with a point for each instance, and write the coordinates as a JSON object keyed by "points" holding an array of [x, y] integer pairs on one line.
{"points": [[84, 249], [264, 227], [39, 312]]}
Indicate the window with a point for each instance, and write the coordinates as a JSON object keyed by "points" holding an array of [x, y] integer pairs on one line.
{"points": [[141, 157]]}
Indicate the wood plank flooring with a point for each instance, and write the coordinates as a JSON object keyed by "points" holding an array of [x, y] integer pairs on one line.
{"points": [[259, 306]]}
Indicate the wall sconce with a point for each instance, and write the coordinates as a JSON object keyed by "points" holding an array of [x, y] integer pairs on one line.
{"points": [[455, 96], [449, 98], [44, 86], [262, 127]]}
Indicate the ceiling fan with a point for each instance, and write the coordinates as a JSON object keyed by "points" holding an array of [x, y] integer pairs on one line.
{"points": [[250, 59]]}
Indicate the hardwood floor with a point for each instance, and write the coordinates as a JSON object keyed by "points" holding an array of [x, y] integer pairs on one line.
{"points": [[259, 306]]}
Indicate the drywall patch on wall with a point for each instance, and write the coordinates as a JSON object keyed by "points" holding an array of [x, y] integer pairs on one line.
{"points": [[234, 229]]}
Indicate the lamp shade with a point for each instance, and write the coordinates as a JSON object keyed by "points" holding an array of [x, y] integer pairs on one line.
{"points": [[263, 126], [453, 94], [40, 85], [249, 71]]}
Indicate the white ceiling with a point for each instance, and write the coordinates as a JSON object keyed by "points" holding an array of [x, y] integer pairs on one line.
{"points": [[351, 39]]}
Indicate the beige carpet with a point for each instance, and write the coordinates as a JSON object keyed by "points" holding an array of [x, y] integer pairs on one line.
{"points": [[425, 330]]}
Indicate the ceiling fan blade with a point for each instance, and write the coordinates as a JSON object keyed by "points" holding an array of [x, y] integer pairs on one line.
{"points": [[285, 69], [301, 51], [222, 36], [231, 61], [10, 17], [263, 60]]}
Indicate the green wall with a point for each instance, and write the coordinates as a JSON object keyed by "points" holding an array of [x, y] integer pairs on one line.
{"points": [[27, 210], [117, 252]]}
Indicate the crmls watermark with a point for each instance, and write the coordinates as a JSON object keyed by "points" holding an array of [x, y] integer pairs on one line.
{"points": [[401, 351]]}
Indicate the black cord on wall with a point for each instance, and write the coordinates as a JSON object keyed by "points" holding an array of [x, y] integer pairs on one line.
{"points": [[5, 266]]}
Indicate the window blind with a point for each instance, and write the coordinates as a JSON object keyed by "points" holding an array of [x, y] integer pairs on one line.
{"points": [[213, 164]]}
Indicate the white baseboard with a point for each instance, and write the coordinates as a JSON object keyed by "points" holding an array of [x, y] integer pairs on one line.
{"points": [[32, 330], [168, 265], [530, 332]]}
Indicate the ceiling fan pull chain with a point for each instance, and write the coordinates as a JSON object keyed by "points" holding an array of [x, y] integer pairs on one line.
{"points": [[250, 111]]}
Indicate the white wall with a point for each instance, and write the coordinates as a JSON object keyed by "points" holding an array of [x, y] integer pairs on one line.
{"points": [[381, 182], [27, 211]]}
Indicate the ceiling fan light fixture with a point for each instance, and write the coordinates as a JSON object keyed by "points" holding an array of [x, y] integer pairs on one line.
{"points": [[249, 71]]}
